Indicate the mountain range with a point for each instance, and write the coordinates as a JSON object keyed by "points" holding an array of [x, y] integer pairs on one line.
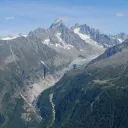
{"points": [[25, 59]]}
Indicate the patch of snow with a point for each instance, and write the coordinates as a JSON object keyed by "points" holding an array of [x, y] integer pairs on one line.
{"points": [[120, 40], [60, 39], [107, 45], [9, 38], [58, 45], [64, 45], [44, 64], [87, 38], [13, 37], [59, 34], [46, 41], [24, 35], [82, 50], [61, 43], [82, 36]]}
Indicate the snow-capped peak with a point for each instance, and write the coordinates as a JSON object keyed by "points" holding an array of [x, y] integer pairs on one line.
{"points": [[58, 21], [77, 25], [58, 24], [9, 38], [12, 37]]}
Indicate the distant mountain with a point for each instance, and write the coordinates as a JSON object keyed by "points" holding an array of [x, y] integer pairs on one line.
{"points": [[121, 37], [113, 51], [94, 34], [60, 36]]}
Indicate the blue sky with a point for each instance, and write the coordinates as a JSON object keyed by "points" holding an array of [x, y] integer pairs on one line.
{"points": [[22, 16]]}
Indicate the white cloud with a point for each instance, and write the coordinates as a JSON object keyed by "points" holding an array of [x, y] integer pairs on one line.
{"points": [[9, 18], [120, 14]]}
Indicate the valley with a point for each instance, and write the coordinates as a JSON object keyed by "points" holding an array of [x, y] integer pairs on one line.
{"points": [[50, 75]]}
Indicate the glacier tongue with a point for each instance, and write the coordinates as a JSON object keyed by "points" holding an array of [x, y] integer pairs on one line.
{"points": [[32, 91]]}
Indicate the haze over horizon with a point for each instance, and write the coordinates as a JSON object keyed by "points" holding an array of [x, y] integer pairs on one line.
{"points": [[26, 15]]}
